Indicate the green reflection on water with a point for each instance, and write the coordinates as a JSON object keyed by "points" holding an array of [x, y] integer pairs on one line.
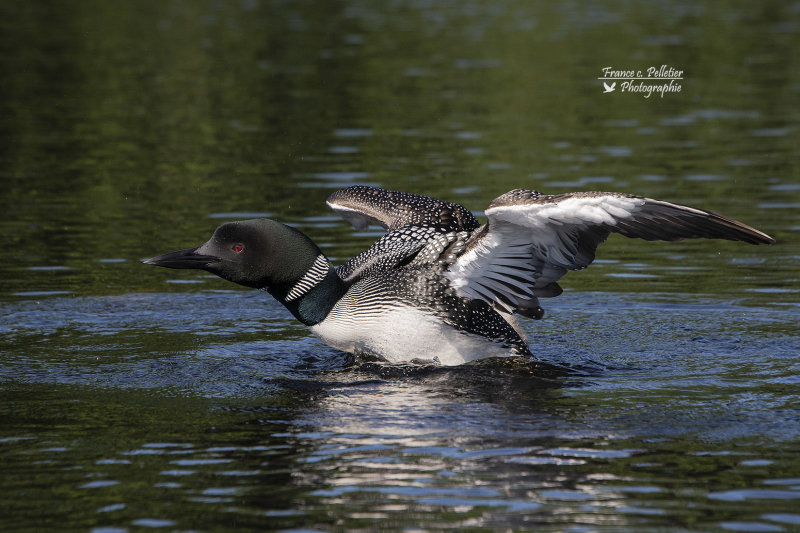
{"points": [[126, 126], [115, 457]]}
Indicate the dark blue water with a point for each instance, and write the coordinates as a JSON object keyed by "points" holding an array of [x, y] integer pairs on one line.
{"points": [[211, 410], [665, 395]]}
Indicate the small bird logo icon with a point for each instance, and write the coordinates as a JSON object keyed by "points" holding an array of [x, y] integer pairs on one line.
{"points": [[609, 88]]}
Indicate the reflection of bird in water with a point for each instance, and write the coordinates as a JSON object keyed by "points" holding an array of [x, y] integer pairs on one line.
{"points": [[439, 286]]}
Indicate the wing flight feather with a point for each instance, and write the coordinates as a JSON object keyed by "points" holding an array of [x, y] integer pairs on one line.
{"points": [[531, 240], [360, 205]]}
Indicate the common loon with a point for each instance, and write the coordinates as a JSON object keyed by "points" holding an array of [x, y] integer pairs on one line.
{"points": [[438, 285]]}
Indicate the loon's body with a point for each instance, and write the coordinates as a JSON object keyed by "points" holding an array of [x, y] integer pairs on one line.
{"points": [[439, 286], [407, 312]]}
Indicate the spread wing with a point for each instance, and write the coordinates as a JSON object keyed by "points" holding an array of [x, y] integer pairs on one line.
{"points": [[394, 248], [412, 220], [531, 240], [361, 205]]}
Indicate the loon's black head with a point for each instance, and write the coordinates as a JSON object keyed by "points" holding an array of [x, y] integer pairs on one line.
{"points": [[259, 253]]}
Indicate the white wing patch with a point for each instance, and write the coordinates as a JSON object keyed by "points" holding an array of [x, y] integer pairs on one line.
{"points": [[532, 240], [585, 211], [497, 270], [529, 246]]}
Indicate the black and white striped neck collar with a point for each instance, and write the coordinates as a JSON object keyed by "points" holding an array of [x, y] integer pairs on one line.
{"points": [[314, 275]]}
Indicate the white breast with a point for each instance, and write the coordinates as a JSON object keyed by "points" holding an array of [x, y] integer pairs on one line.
{"points": [[402, 333]]}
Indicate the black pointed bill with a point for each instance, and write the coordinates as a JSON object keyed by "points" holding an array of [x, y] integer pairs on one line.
{"points": [[188, 258]]}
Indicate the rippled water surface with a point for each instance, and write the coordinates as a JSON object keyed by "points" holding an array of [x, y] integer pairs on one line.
{"points": [[665, 396]]}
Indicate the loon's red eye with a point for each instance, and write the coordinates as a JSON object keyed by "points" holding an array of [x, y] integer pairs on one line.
{"points": [[238, 248]]}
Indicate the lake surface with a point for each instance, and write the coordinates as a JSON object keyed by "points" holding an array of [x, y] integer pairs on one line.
{"points": [[667, 392]]}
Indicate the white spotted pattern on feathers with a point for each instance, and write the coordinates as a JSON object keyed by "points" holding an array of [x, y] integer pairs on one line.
{"points": [[388, 252]]}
